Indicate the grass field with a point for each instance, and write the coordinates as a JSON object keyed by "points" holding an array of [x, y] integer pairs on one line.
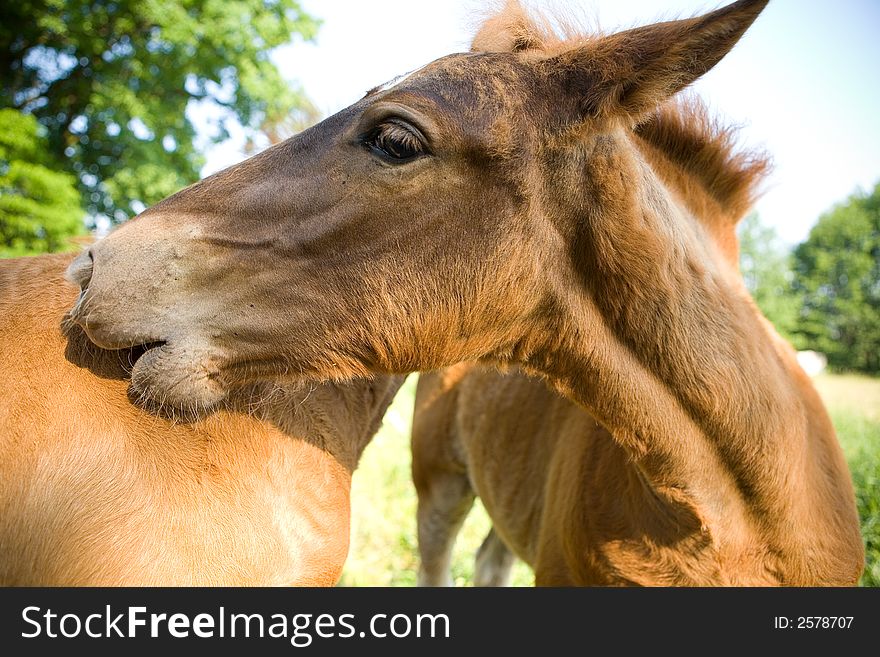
{"points": [[383, 542], [854, 405]]}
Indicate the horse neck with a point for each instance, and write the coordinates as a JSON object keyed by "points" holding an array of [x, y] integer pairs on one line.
{"points": [[680, 366]]}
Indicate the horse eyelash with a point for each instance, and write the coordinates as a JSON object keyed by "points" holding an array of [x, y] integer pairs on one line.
{"points": [[392, 131]]}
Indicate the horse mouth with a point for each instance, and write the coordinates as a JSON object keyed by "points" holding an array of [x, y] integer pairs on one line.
{"points": [[175, 375], [136, 352]]}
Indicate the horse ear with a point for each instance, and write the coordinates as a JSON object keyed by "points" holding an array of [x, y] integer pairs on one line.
{"points": [[509, 30], [629, 73]]}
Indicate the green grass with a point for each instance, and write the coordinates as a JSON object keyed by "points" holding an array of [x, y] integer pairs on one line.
{"points": [[383, 542], [854, 404]]}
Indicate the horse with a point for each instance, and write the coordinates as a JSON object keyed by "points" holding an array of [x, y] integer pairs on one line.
{"points": [[97, 491], [561, 493], [495, 206]]}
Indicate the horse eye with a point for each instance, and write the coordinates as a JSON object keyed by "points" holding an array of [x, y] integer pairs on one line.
{"points": [[396, 140]]}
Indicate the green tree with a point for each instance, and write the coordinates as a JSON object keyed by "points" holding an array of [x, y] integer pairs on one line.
{"points": [[39, 208], [838, 274], [112, 80], [766, 270]]}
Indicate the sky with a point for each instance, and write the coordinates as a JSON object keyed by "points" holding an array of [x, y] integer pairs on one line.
{"points": [[803, 83]]}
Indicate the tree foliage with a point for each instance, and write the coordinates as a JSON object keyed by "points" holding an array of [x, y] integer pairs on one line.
{"points": [[838, 277], [111, 82], [39, 208], [765, 265]]}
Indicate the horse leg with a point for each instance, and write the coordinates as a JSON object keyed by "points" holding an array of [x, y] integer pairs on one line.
{"points": [[440, 474], [494, 562], [440, 516]]}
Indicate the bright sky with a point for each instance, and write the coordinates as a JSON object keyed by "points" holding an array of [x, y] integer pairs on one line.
{"points": [[804, 81]]}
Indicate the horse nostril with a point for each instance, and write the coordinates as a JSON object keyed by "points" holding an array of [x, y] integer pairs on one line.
{"points": [[79, 272]]}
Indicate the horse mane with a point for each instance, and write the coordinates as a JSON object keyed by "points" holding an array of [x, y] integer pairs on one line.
{"points": [[708, 152], [699, 148]]}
